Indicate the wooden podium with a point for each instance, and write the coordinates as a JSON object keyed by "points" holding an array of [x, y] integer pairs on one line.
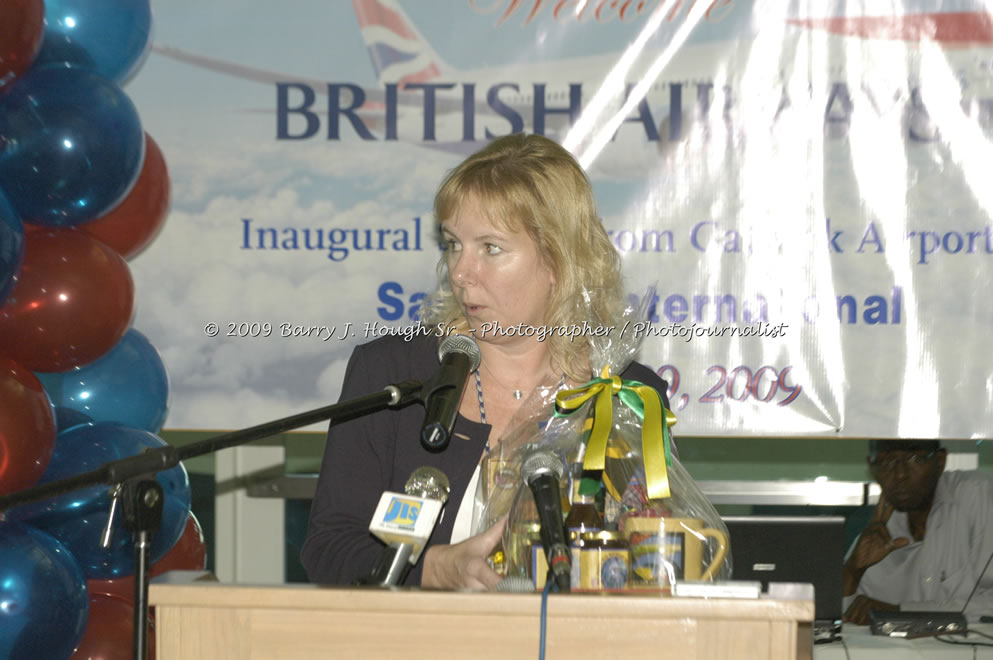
{"points": [[216, 621]]}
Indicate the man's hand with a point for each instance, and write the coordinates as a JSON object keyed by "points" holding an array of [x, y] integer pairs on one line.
{"points": [[858, 611], [873, 546], [463, 565]]}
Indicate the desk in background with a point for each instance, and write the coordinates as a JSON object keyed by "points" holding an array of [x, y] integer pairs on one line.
{"points": [[863, 645]]}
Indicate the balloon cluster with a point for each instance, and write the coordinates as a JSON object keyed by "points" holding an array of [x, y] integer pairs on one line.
{"points": [[83, 189]]}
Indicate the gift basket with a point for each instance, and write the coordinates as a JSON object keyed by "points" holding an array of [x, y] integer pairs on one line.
{"points": [[635, 518]]}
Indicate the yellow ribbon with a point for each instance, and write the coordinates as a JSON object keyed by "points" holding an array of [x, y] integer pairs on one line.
{"points": [[647, 404]]}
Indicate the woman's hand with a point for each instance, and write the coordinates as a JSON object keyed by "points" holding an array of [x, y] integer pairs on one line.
{"points": [[463, 565]]}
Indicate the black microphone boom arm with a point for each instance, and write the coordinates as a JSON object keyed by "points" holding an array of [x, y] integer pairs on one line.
{"points": [[135, 474]]}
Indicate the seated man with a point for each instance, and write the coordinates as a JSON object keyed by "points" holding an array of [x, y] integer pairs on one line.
{"points": [[930, 537]]}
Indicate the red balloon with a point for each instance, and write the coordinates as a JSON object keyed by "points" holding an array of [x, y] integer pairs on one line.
{"points": [[133, 223], [110, 631], [188, 554], [27, 428], [21, 28], [72, 304]]}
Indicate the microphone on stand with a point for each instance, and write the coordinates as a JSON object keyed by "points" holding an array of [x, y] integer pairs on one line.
{"points": [[517, 584], [542, 471], [459, 357], [404, 523]]}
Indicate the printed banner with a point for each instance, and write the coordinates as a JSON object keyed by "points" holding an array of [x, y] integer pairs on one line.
{"points": [[803, 183]]}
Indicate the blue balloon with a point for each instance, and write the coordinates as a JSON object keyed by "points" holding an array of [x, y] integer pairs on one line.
{"points": [[111, 37], [44, 604], [72, 145], [11, 247], [67, 418], [78, 518], [128, 385]]}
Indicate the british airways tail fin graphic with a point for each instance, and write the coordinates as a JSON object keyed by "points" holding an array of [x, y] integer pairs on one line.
{"points": [[398, 52]]}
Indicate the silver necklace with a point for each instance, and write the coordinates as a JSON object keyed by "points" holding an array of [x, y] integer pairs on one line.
{"points": [[482, 406], [517, 393]]}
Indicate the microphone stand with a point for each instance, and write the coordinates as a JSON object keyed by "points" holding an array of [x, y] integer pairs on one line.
{"points": [[142, 498], [393, 566]]}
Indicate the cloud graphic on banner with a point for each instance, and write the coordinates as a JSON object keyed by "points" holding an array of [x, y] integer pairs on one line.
{"points": [[235, 381]]}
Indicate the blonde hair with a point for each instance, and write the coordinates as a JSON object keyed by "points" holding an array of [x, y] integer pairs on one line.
{"points": [[532, 184]]}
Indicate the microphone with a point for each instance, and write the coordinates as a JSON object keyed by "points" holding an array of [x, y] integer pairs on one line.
{"points": [[459, 356], [516, 584], [542, 471], [404, 523]]}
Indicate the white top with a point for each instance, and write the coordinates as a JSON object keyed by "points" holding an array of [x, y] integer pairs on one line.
{"points": [[462, 527], [940, 572]]}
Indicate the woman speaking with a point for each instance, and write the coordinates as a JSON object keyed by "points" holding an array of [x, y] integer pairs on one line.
{"points": [[523, 241]]}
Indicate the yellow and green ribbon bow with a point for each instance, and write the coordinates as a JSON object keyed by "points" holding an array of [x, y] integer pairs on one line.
{"points": [[646, 403]]}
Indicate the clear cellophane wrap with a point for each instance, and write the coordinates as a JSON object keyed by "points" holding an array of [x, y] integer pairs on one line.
{"points": [[613, 434]]}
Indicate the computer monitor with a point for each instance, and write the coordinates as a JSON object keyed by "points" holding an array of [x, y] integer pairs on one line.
{"points": [[792, 549]]}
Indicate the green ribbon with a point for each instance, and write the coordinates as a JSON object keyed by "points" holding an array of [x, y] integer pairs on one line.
{"points": [[646, 403]]}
